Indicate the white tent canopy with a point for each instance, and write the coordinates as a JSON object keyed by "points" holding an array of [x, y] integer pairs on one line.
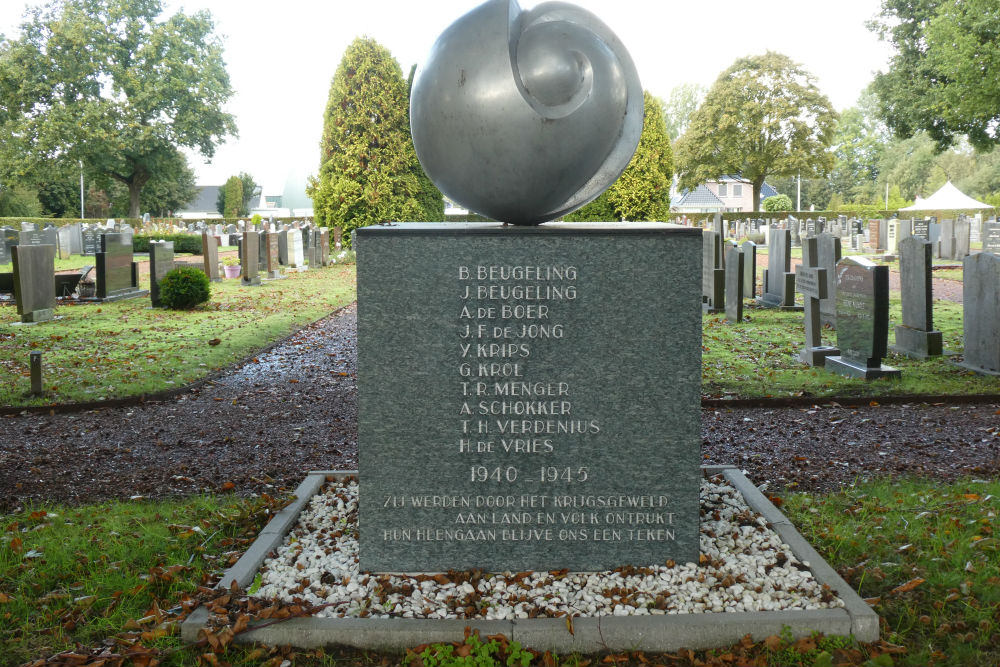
{"points": [[948, 197]]}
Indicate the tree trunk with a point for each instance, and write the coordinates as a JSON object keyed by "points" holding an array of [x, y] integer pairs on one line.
{"points": [[757, 184], [134, 188]]}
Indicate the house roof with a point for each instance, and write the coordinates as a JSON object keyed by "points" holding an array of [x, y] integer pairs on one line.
{"points": [[700, 196], [205, 200], [767, 191]]}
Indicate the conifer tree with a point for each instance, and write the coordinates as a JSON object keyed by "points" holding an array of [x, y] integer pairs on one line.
{"points": [[234, 197]]}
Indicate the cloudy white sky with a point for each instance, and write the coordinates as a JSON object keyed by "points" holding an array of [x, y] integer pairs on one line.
{"points": [[281, 56]]}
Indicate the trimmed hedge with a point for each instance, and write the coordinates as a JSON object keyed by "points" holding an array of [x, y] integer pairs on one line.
{"points": [[182, 242]]}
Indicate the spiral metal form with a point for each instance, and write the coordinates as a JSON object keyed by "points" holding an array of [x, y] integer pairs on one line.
{"points": [[524, 116]]}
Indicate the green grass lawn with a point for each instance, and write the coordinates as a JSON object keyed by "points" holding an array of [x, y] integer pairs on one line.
{"points": [[757, 358], [99, 351], [924, 553]]}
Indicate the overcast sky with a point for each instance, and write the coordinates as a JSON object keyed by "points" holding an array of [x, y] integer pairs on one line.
{"points": [[282, 54]]}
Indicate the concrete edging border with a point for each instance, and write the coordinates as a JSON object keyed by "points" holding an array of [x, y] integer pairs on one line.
{"points": [[589, 635]]}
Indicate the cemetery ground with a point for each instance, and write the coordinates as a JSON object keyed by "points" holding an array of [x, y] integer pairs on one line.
{"points": [[117, 518]]}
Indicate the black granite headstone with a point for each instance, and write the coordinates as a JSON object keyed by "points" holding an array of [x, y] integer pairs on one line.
{"points": [[161, 261], [862, 320], [734, 276], [921, 229], [511, 396], [713, 278], [116, 272]]}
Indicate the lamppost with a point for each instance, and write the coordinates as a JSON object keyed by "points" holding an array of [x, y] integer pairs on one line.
{"points": [[81, 188]]}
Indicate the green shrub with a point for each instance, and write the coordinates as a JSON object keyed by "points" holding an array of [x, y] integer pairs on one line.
{"points": [[778, 203], [184, 288]]}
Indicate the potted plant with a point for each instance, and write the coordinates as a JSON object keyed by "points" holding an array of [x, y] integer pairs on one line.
{"points": [[231, 265]]}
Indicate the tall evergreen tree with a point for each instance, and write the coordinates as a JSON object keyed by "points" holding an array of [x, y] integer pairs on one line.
{"points": [[642, 192], [367, 161], [429, 198], [234, 197]]}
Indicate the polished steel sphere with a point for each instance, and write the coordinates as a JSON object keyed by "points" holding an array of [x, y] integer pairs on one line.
{"points": [[524, 116]]}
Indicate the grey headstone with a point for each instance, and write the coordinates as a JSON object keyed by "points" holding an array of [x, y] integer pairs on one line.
{"points": [[116, 272], [283, 247], [916, 336], [779, 285], [713, 279], [161, 261], [324, 246], [946, 241], [543, 312], [28, 226], [34, 287], [981, 312], [810, 280], [249, 268], [210, 256], [921, 229], [734, 277], [64, 247], [749, 249], [75, 238], [4, 251], [828, 247], [962, 238], [273, 265], [862, 320], [296, 254]]}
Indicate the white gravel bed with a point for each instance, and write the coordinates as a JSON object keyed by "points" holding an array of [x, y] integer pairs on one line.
{"points": [[744, 567]]}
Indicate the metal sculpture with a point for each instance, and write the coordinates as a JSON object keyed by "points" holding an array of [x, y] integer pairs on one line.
{"points": [[524, 116]]}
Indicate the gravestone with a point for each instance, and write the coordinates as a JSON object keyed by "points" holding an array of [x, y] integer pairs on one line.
{"points": [[713, 277], [210, 256], [892, 237], [934, 233], [75, 238], [126, 234], [734, 277], [504, 340], [117, 274], [91, 239], [862, 320], [921, 229], [905, 230], [810, 280], [37, 237], [64, 247], [28, 227], [4, 252], [248, 260], [810, 228], [161, 260], [337, 238], [719, 227], [296, 256], [749, 249], [830, 253], [991, 237], [34, 268], [795, 230], [324, 246], [946, 242], [283, 247], [962, 238], [916, 337], [262, 250], [779, 281], [273, 266], [874, 235], [981, 312]]}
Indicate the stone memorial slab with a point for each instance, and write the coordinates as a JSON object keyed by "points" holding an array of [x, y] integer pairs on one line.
{"points": [[830, 253], [810, 280], [63, 249], [946, 241], [891, 237], [981, 312], [249, 267], [283, 247], [4, 252], [779, 281], [713, 277], [734, 277], [905, 230], [210, 256], [34, 293], [963, 238], [273, 266], [991, 237], [862, 320], [874, 235], [749, 249], [36, 237], [921, 229], [161, 261], [117, 277], [916, 337], [504, 341], [91, 239], [324, 246], [296, 252]]}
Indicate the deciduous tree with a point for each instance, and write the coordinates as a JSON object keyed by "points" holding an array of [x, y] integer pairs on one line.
{"points": [[112, 84], [943, 76], [764, 115]]}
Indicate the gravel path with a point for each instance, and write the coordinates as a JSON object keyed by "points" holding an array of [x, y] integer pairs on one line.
{"points": [[260, 427]]}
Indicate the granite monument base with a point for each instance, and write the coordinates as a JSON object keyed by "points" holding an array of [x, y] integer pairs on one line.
{"points": [[978, 370], [817, 356], [918, 344], [36, 316], [250, 282], [853, 369]]}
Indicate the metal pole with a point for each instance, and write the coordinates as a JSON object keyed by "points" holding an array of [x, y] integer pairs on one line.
{"points": [[798, 194], [81, 188], [887, 196]]}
